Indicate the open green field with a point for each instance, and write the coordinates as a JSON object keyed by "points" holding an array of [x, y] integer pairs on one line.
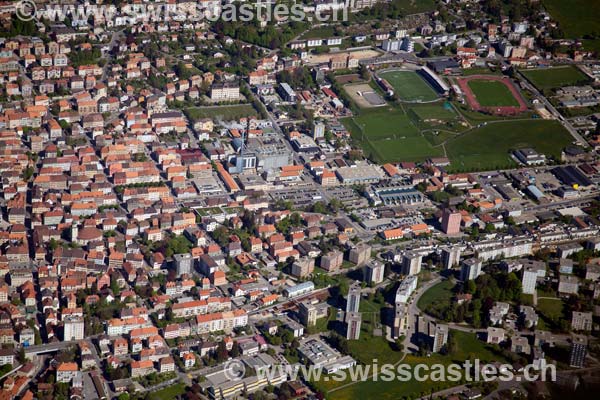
{"points": [[552, 312], [551, 78], [437, 122], [466, 346], [409, 86], [320, 32], [170, 392], [551, 308], [492, 93], [387, 134], [576, 18], [322, 324], [224, 112], [416, 6], [433, 112], [488, 147], [440, 293]]}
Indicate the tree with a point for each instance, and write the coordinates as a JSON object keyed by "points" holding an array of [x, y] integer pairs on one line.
{"points": [[399, 344], [235, 350], [114, 286], [221, 353], [221, 236], [21, 355], [287, 336], [470, 287], [364, 72], [319, 207], [476, 304], [27, 173]]}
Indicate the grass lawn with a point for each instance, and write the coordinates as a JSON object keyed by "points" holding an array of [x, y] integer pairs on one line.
{"points": [[321, 32], [442, 292], [438, 122], [322, 324], [416, 6], [575, 17], [225, 112], [387, 134], [410, 86], [369, 306], [591, 44], [170, 392], [407, 149], [551, 308], [546, 293], [383, 124], [492, 93], [488, 147], [433, 111], [467, 346], [369, 347], [527, 299], [550, 78], [475, 117], [438, 138]]}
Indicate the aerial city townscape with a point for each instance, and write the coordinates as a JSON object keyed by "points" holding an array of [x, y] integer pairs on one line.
{"points": [[199, 206]]}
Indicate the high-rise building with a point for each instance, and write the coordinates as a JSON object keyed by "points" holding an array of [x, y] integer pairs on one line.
{"points": [[374, 272], [581, 321], [183, 263], [353, 300], [318, 130], [353, 321], [411, 263], [73, 328], [440, 337], [578, 351], [470, 269], [529, 280], [400, 323], [303, 267], [332, 261], [308, 313], [450, 256], [451, 222], [360, 254]]}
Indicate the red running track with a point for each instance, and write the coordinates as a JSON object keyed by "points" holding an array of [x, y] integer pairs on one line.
{"points": [[463, 83]]}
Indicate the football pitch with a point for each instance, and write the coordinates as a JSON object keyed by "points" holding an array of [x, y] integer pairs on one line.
{"points": [[387, 134], [409, 86], [551, 78], [489, 146], [492, 93]]}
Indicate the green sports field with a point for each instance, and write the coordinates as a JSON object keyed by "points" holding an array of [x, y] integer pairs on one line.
{"points": [[489, 146], [492, 93], [421, 131], [409, 86], [433, 111], [387, 134], [551, 78]]}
